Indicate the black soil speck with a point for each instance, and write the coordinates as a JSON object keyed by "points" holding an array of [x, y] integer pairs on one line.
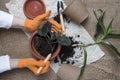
{"points": [[78, 35]]}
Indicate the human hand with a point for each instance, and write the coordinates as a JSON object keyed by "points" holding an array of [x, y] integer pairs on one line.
{"points": [[34, 65], [32, 25], [55, 26]]}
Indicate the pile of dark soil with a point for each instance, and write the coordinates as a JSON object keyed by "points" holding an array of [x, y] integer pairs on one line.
{"points": [[43, 47], [66, 52]]}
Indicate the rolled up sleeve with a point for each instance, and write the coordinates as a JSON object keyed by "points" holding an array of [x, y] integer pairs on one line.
{"points": [[5, 20], [4, 63]]}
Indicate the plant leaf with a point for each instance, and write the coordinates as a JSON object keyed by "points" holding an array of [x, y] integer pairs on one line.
{"points": [[100, 28], [45, 29], [112, 47], [113, 36], [40, 32], [63, 40], [95, 15], [101, 20], [109, 29], [84, 64]]}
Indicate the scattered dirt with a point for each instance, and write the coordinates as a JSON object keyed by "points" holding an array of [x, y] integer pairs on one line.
{"points": [[66, 52]]}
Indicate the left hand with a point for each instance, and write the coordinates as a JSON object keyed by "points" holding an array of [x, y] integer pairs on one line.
{"points": [[32, 25]]}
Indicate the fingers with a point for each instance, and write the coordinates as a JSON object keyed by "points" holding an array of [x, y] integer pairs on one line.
{"points": [[43, 16], [37, 63], [40, 63], [56, 30], [46, 68], [47, 14], [32, 25], [33, 69], [56, 26]]}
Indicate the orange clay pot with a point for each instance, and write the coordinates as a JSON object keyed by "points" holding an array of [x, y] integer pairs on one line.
{"points": [[36, 53]]}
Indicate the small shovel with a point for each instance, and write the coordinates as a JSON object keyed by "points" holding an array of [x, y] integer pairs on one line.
{"points": [[60, 8]]}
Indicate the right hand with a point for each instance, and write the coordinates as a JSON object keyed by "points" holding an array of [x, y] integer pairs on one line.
{"points": [[34, 65], [55, 26]]}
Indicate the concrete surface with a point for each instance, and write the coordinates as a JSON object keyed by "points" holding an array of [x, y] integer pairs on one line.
{"points": [[15, 43], [108, 67]]}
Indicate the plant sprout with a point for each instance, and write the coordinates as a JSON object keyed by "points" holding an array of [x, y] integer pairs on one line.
{"points": [[102, 33]]}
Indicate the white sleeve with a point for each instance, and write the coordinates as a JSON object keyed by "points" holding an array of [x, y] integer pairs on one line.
{"points": [[5, 20], [4, 63]]}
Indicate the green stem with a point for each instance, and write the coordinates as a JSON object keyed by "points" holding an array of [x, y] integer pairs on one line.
{"points": [[103, 37], [97, 42], [49, 43], [84, 64], [92, 44]]}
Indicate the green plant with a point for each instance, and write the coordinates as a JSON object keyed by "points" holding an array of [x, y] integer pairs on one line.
{"points": [[53, 37], [101, 35]]}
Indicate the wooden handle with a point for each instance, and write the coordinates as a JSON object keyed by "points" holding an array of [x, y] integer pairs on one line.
{"points": [[47, 59], [62, 23]]}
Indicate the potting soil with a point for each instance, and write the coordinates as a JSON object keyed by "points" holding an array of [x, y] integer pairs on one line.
{"points": [[43, 46]]}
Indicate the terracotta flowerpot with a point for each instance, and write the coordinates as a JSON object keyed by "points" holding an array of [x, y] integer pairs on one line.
{"points": [[33, 8], [36, 53]]}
